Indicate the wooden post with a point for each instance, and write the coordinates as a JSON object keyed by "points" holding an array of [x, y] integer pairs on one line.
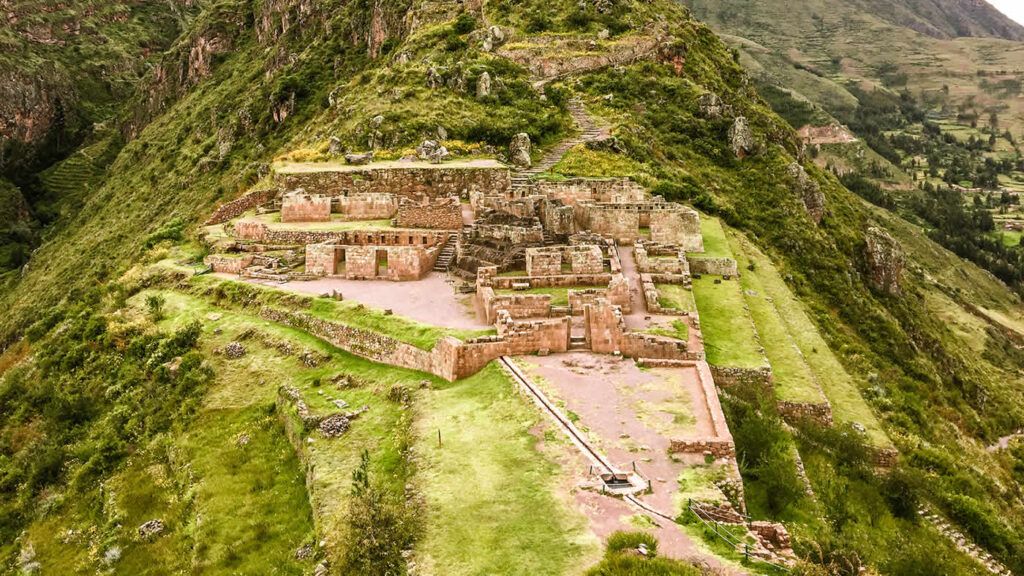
{"points": [[439, 437]]}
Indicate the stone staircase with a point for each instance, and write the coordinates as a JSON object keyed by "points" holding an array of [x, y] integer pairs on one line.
{"points": [[444, 259], [963, 543], [589, 131], [578, 343]]}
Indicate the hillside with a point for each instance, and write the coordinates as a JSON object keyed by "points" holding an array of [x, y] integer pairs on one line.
{"points": [[136, 387]]}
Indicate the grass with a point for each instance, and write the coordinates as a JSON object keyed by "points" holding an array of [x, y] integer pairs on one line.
{"points": [[678, 329], [676, 296], [493, 504], [559, 295], [337, 223], [715, 243], [728, 331], [582, 161], [838, 386], [794, 380]]}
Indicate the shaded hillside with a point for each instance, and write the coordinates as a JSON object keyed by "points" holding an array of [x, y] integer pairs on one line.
{"points": [[97, 412]]}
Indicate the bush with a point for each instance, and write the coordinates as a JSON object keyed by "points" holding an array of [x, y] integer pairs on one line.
{"points": [[622, 559], [464, 24], [173, 230], [155, 306]]}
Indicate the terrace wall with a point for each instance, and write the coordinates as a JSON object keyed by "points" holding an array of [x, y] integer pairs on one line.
{"points": [[713, 266], [228, 264], [235, 208], [368, 206], [411, 182], [441, 214]]}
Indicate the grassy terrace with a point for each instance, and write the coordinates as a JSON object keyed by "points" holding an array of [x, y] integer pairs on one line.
{"points": [[715, 243], [676, 296], [284, 167], [839, 387], [559, 295], [728, 331], [337, 223], [234, 293], [487, 468]]}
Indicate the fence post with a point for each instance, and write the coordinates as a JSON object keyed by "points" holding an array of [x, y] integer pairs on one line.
{"points": [[746, 552], [716, 528]]}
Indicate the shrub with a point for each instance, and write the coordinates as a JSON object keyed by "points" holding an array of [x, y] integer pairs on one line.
{"points": [[464, 24], [155, 306], [173, 230]]}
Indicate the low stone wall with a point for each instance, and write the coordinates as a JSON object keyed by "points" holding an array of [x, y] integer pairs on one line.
{"points": [[237, 207], [518, 306], [543, 262], [717, 447], [563, 281], [441, 214], [667, 222], [550, 260], [228, 264], [819, 412], [885, 457], [528, 336], [652, 298], [416, 181], [299, 207], [671, 263], [713, 266], [729, 377], [368, 206]]}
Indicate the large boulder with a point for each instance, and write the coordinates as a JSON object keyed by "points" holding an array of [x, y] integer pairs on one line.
{"points": [[711, 106], [359, 159], [519, 150], [434, 78], [426, 149], [483, 86], [741, 139], [886, 259], [808, 190]]}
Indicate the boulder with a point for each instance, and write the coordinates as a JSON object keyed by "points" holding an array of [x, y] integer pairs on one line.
{"points": [[483, 85], [519, 150], [151, 528], [337, 148], [376, 122], [439, 155], [434, 78], [808, 190], [359, 159], [334, 426], [711, 106], [234, 350], [885, 259], [741, 139], [426, 148]]}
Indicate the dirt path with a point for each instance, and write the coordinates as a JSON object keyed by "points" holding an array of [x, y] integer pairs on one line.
{"points": [[1004, 442], [589, 131], [430, 300]]}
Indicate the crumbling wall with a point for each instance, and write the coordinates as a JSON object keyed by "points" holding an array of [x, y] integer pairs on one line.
{"points": [[819, 412], [301, 207], [571, 191], [235, 208], [518, 306], [607, 333], [228, 264]]}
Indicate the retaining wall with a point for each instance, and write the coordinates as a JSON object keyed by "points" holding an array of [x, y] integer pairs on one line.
{"points": [[415, 182], [236, 208], [713, 266]]}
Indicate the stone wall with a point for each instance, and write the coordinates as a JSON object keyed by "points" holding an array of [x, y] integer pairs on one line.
{"points": [[679, 226], [713, 266], [228, 264], [662, 260], [415, 181], [581, 189], [440, 214], [529, 336], [821, 413], [260, 232], [374, 262], [543, 262], [729, 377], [563, 281], [235, 208], [368, 206], [525, 233], [607, 333], [518, 306], [301, 207], [717, 447], [652, 298]]}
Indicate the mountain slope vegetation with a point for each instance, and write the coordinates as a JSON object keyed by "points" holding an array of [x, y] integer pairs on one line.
{"points": [[100, 431]]}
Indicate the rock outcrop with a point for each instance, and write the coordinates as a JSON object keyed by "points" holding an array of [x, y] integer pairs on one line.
{"points": [[519, 150], [741, 139], [885, 259], [808, 191], [483, 86]]}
